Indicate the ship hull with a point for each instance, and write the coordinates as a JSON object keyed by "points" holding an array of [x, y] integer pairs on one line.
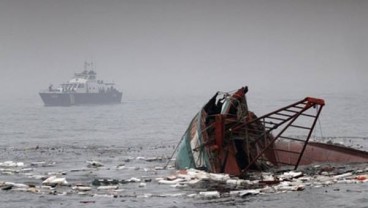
{"points": [[316, 152], [69, 99], [225, 137]]}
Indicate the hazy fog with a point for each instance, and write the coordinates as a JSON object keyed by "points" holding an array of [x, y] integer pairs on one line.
{"points": [[172, 46]]}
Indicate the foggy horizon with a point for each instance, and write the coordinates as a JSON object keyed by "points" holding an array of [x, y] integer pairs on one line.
{"points": [[166, 140], [165, 47]]}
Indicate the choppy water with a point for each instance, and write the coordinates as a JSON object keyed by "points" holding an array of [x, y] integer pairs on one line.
{"points": [[67, 137]]}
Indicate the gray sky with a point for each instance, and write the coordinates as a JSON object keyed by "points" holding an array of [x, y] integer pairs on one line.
{"points": [[172, 46]]}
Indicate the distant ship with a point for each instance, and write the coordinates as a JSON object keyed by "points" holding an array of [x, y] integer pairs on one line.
{"points": [[82, 89]]}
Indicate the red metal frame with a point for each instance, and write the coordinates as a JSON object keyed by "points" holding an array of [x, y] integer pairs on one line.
{"points": [[287, 115]]}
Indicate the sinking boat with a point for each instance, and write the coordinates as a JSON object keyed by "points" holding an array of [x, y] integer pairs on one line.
{"points": [[82, 89], [226, 137]]}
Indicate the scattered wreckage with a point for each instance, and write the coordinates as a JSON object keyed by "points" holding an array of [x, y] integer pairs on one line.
{"points": [[226, 137], [189, 183], [227, 151]]}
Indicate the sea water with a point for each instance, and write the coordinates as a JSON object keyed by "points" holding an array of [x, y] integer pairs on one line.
{"points": [[63, 139]]}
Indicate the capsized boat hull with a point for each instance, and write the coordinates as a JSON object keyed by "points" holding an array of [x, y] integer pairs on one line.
{"points": [[225, 137], [198, 149], [190, 152], [316, 152]]}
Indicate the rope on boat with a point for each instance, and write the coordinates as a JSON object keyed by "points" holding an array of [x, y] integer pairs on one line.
{"points": [[172, 155]]}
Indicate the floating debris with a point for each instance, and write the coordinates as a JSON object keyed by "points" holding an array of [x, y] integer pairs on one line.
{"points": [[53, 181], [11, 164], [222, 185], [107, 187], [209, 194], [82, 188]]}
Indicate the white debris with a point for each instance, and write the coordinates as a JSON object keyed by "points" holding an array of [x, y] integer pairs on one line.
{"points": [[20, 185], [133, 179], [194, 182], [209, 194], [104, 195], [39, 177], [120, 167], [192, 195], [268, 189], [219, 177], [192, 173], [53, 180], [290, 175], [26, 170], [82, 188], [31, 190], [345, 175], [327, 183], [268, 177], [289, 186], [147, 195], [11, 164], [232, 182], [172, 177], [171, 195], [141, 185], [47, 187], [107, 187]]}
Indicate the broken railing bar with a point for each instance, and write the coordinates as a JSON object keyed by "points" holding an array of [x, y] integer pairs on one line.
{"points": [[274, 139], [290, 138], [281, 109], [270, 122], [300, 127], [276, 125], [305, 101], [275, 118], [239, 125], [299, 107], [308, 115], [291, 111], [282, 114]]}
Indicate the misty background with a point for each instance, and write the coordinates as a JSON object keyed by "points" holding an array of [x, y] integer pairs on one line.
{"points": [[169, 57], [184, 47]]}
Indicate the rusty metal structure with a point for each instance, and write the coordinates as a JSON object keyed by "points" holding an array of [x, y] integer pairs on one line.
{"points": [[225, 137]]}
